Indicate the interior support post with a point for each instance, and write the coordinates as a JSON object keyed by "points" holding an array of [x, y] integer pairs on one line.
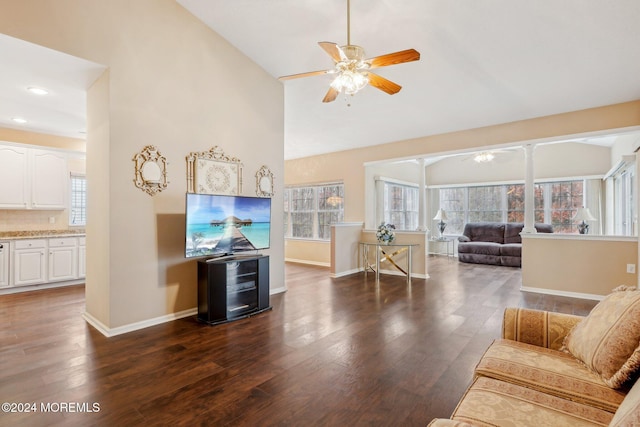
{"points": [[422, 199], [529, 200]]}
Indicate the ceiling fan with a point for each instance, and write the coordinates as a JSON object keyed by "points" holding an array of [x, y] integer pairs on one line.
{"points": [[352, 69]]}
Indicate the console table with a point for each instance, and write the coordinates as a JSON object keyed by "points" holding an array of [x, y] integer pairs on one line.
{"points": [[386, 252]]}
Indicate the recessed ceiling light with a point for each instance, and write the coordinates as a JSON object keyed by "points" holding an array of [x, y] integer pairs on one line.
{"points": [[19, 120], [37, 90]]}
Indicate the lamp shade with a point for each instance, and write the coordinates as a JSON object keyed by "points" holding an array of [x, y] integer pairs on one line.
{"points": [[583, 214], [441, 215]]}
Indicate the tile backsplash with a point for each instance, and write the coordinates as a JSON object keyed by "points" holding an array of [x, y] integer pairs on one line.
{"points": [[31, 220]]}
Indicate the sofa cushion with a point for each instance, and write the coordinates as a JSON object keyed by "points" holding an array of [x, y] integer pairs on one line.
{"points": [[511, 261], [489, 402], [511, 249], [480, 248], [608, 339], [441, 422], [549, 371], [512, 232], [628, 414], [485, 231]]}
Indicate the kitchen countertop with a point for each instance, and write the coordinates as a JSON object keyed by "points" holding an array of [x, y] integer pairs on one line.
{"points": [[35, 234]]}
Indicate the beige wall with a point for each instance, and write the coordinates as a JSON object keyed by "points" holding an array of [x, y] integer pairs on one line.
{"points": [[583, 266], [173, 83], [308, 252], [551, 161]]}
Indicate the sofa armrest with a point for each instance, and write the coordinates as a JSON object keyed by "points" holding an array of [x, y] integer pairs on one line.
{"points": [[541, 328], [463, 239], [441, 422]]}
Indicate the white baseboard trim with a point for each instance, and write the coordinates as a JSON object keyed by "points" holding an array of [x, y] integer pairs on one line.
{"points": [[29, 288], [345, 273], [305, 261], [111, 332], [277, 290], [562, 293]]}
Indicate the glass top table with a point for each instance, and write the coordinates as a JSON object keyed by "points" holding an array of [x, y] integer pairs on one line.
{"points": [[387, 252]]}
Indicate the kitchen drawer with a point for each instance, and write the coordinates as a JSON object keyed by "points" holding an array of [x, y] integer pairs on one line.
{"points": [[30, 244], [63, 242]]}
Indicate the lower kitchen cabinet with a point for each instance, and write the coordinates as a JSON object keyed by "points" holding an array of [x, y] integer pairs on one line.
{"points": [[4, 264], [63, 259], [29, 262]]}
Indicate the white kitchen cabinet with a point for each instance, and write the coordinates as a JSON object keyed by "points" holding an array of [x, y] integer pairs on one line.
{"points": [[49, 182], [34, 178], [4, 264], [82, 257], [63, 259], [29, 262], [14, 176]]}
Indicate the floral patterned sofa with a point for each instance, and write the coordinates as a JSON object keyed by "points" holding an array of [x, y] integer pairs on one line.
{"points": [[552, 369]]}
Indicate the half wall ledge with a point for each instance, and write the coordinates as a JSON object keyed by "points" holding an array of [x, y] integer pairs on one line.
{"points": [[577, 265]]}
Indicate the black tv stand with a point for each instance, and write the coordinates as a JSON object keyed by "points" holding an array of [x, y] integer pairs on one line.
{"points": [[232, 287]]}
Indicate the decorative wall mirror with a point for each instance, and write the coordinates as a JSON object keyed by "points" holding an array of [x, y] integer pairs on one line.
{"points": [[213, 172], [264, 182], [150, 170]]}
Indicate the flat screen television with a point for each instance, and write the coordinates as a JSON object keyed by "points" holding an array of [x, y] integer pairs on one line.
{"points": [[218, 225]]}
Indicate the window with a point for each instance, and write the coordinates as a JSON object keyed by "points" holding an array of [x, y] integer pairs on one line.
{"points": [[310, 211], [78, 204], [401, 206], [554, 203], [566, 197]]}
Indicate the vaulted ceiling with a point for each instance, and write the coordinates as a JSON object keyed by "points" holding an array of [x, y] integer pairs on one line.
{"points": [[482, 62]]}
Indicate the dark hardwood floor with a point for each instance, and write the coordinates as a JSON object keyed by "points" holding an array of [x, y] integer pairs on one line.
{"points": [[332, 352]]}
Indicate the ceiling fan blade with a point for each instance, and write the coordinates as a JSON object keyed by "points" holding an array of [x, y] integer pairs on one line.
{"points": [[384, 84], [331, 95], [308, 74], [333, 50], [394, 58]]}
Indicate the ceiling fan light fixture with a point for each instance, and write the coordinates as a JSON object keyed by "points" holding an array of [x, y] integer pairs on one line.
{"points": [[484, 157], [37, 90], [350, 82], [352, 69]]}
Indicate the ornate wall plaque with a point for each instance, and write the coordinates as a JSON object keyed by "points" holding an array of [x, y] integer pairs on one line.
{"points": [[264, 182], [213, 172], [150, 170]]}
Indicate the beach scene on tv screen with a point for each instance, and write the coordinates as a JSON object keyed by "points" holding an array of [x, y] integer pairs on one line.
{"points": [[226, 224]]}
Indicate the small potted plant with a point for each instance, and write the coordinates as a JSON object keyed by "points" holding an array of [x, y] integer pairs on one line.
{"points": [[386, 233]]}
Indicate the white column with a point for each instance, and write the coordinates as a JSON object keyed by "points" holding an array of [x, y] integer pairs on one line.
{"points": [[529, 199], [422, 202]]}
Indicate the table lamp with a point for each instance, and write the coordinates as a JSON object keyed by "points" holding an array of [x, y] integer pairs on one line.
{"points": [[583, 215], [441, 216]]}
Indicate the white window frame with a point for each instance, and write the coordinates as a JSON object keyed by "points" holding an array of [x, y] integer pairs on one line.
{"points": [[315, 210], [73, 209]]}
